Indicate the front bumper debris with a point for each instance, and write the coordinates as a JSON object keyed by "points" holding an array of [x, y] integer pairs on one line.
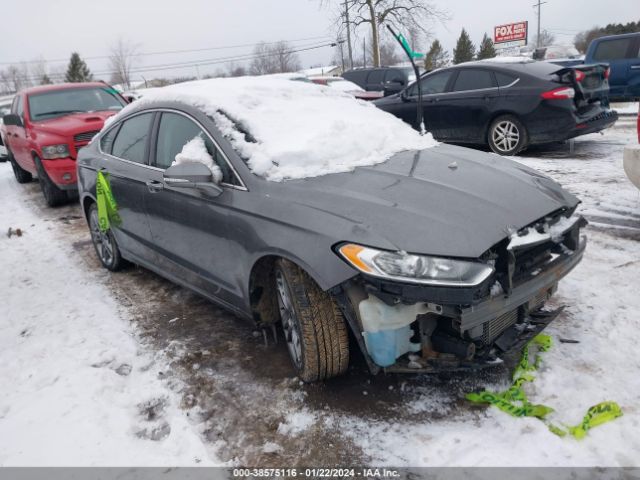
{"points": [[405, 328]]}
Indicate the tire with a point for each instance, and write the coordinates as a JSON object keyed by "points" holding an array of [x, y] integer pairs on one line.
{"points": [[507, 135], [22, 176], [52, 194], [313, 325], [104, 243]]}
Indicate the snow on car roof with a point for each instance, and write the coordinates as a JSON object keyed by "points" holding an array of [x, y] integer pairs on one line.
{"points": [[288, 129]]}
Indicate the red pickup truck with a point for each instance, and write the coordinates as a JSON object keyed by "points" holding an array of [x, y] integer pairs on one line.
{"points": [[46, 128]]}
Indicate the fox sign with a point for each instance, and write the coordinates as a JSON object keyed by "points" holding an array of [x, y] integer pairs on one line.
{"points": [[511, 32]]}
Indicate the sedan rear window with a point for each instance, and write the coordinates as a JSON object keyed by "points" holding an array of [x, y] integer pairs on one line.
{"points": [[504, 79]]}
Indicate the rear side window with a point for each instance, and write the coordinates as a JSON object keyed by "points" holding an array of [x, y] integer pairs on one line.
{"points": [[434, 83], [504, 79], [471, 79], [357, 76], [615, 49], [396, 76], [376, 76], [131, 141], [175, 132]]}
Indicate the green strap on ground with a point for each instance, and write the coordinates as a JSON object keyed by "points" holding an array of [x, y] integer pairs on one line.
{"points": [[107, 207], [514, 400]]}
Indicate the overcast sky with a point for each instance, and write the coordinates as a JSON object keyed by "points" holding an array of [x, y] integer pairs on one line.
{"points": [[51, 30]]}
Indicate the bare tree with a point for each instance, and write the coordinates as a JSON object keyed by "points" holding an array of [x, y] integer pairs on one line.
{"points": [[545, 40], [275, 58], [412, 15], [123, 54], [234, 70], [15, 77], [389, 54]]}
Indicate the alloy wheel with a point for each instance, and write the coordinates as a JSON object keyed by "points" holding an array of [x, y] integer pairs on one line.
{"points": [[289, 320], [506, 136], [102, 241]]}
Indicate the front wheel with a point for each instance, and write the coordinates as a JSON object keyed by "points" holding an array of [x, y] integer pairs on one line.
{"points": [[52, 194], [104, 243], [313, 325], [507, 135]]}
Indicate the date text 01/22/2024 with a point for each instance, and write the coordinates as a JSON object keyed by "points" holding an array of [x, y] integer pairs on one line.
{"points": [[315, 473]]}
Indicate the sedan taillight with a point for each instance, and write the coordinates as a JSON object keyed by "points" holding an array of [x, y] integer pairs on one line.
{"points": [[561, 93], [607, 72], [579, 75]]}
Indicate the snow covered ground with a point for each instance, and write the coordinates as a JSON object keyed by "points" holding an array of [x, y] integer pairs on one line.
{"points": [[77, 388], [69, 332]]}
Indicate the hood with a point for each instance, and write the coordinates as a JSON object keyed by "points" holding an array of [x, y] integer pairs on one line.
{"points": [[445, 200], [75, 123]]}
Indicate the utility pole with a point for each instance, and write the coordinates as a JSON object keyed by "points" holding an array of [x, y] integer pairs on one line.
{"points": [[539, 7], [346, 17], [364, 52]]}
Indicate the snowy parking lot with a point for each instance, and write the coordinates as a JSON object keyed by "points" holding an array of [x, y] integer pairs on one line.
{"points": [[125, 368]]}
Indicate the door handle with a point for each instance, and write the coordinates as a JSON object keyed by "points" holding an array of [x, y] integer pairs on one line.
{"points": [[635, 67], [155, 187]]}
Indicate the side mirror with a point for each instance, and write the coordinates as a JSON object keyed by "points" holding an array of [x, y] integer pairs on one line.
{"points": [[192, 175], [12, 120]]}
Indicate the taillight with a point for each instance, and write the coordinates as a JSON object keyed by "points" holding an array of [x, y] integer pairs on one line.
{"points": [[561, 93], [607, 72], [579, 75]]}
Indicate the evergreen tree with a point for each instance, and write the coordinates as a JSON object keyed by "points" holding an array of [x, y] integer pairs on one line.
{"points": [[45, 80], [465, 49], [77, 71], [437, 57], [486, 48]]}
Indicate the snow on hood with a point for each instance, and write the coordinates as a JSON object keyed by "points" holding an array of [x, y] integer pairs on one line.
{"points": [[295, 129]]}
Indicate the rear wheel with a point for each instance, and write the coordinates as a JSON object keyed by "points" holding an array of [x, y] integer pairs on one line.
{"points": [[313, 325], [104, 243], [507, 135], [52, 194], [22, 176]]}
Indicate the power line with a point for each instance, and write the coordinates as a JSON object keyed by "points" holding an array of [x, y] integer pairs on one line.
{"points": [[168, 52], [199, 63]]}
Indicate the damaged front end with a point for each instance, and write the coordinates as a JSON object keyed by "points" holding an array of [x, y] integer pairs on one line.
{"points": [[428, 326]]}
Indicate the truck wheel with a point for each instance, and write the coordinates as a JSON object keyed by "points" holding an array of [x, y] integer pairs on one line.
{"points": [[313, 325], [104, 243], [52, 194], [22, 176], [507, 135]]}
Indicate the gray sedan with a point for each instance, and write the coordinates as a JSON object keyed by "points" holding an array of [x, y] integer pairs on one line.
{"points": [[433, 259]]}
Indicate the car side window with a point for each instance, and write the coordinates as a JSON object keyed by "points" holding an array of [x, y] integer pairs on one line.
{"points": [[432, 84], [175, 132], [106, 142], [395, 76], [376, 77], [131, 140], [615, 49], [473, 79], [504, 79]]}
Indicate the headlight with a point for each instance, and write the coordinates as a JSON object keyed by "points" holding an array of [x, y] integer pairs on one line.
{"points": [[55, 151], [422, 269]]}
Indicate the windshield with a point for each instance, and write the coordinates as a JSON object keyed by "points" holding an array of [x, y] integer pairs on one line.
{"points": [[73, 100]]}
